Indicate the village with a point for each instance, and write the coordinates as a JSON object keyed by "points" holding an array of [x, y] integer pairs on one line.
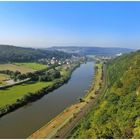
{"points": [[56, 61]]}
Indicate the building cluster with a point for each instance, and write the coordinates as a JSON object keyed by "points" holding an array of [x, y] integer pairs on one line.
{"points": [[57, 61]]}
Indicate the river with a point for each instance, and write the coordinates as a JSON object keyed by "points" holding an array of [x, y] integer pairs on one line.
{"points": [[24, 121]]}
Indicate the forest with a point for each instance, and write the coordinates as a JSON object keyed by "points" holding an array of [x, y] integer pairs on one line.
{"points": [[116, 113], [9, 53]]}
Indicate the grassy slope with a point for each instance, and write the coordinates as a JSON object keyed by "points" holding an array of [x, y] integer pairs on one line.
{"points": [[117, 113], [34, 66]]}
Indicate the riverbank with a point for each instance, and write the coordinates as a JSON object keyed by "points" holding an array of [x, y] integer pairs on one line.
{"points": [[33, 96], [65, 121]]}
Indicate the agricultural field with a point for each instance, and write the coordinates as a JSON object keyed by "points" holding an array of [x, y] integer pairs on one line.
{"points": [[14, 94], [13, 67], [11, 94], [33, 66], [22, 67], [3, 78]]}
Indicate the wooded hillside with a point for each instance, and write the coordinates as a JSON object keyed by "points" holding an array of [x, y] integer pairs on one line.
{"points": [[18, 54], [117, 112]]}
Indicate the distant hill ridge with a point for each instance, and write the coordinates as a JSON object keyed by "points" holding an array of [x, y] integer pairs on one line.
{"points": [[9, 53], [109, 51]]}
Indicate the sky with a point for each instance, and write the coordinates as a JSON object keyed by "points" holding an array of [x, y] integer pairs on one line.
{"points": [[46, 24]]}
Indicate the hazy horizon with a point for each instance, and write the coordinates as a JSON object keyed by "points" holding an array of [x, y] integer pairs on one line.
{"points": [[47, 24], [41, 47]]}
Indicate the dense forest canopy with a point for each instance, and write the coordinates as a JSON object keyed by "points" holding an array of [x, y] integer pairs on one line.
{"points": [[10, 53], [117, 112]]}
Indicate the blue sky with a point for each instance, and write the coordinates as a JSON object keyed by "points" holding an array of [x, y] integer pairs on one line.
{"points": [[45, 24]]}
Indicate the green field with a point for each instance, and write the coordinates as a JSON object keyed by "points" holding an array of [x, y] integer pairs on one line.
{"points": [[10, 95], [34, 66]]}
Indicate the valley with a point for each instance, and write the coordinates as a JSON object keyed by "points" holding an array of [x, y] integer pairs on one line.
{"points": [[69, 69], [23, 84]]}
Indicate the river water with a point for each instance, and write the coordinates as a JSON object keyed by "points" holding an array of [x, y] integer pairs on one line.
{"points": [[26, 120]]}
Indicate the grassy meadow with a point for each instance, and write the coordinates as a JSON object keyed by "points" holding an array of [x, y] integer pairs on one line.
{"points": [[16, 93], [33, 65], [11, 94]]}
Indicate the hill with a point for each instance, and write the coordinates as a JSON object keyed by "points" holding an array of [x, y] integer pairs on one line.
{"points": [[116, 114], [100, 51], [10, 53]]}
